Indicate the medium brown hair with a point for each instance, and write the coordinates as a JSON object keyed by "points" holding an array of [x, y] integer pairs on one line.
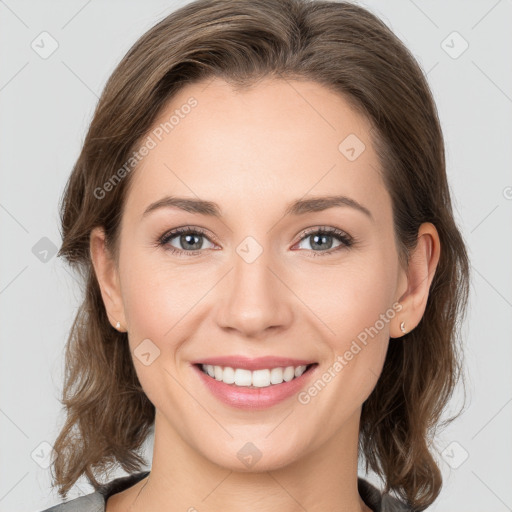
{"points": [[349, 50]]}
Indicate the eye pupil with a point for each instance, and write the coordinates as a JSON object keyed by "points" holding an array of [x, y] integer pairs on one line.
{"points": [[321, 237], [185, 240]]}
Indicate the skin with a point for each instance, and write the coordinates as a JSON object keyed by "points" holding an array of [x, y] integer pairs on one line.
{"points": [[273, 144]]}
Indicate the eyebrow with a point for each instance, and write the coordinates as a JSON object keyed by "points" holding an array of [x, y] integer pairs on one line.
{"points": [[299, 207]]}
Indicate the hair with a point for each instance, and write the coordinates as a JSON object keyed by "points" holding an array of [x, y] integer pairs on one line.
{"points": [[349, 50]]}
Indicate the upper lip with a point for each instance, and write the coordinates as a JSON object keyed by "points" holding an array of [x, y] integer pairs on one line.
{"points": [[258, 363]]}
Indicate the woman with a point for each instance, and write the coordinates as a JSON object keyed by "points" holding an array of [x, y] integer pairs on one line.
{"points": [[232, 142]]}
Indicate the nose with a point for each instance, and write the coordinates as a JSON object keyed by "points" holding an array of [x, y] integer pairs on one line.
{"points": [[255, 299]]}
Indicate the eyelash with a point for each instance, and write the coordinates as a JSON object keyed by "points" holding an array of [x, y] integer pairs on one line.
{"points": [[347, 240]]}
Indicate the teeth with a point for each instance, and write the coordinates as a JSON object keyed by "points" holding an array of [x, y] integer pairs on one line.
{"points": [[257, 378]]}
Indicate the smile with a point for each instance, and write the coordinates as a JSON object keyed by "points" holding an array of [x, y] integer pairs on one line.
{"points": [[254, 379], [254, 390]]}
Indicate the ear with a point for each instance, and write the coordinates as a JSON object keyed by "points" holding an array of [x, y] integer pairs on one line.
{"points": [[422, 266], [108, 278]]}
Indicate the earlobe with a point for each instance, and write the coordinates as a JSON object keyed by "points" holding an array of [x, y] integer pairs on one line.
{"points": [[422, 267], [108, 278]]}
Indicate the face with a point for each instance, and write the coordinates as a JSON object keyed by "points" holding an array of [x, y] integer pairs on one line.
{"points": [[317, 284]]}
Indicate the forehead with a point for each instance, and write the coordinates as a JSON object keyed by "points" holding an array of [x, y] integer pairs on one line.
{"points": [[270, 144]]}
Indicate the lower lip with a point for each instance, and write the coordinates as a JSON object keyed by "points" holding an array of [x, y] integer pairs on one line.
{"points": [[254, 398]]}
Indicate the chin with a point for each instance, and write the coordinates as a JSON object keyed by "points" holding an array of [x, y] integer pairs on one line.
{"points": [[258, 453]]}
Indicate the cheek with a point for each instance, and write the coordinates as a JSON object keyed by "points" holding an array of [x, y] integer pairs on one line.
{"points": [[162, 304], [155, 306], [156, 294], [355, 304], [148, 301], [350, 297]]}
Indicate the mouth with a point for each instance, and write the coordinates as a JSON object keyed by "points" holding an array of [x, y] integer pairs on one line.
{"points": [[254, 383], [244, 378]]}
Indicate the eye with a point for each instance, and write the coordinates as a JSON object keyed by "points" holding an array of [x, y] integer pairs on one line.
{"points": [[190, 240], [321, 238]]}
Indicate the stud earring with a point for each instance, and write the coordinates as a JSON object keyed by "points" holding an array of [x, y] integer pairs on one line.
{"points": [[118, 326], [402, 327]]}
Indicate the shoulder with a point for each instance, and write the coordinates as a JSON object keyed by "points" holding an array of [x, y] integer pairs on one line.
{"points": [[95, 501], [378, 501]]}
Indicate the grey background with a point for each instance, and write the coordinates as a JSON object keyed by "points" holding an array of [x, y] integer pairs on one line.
{"points": [[46, 106]]}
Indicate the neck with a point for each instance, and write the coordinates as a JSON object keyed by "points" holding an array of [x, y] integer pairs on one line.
{"points": [[181, 478]]}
